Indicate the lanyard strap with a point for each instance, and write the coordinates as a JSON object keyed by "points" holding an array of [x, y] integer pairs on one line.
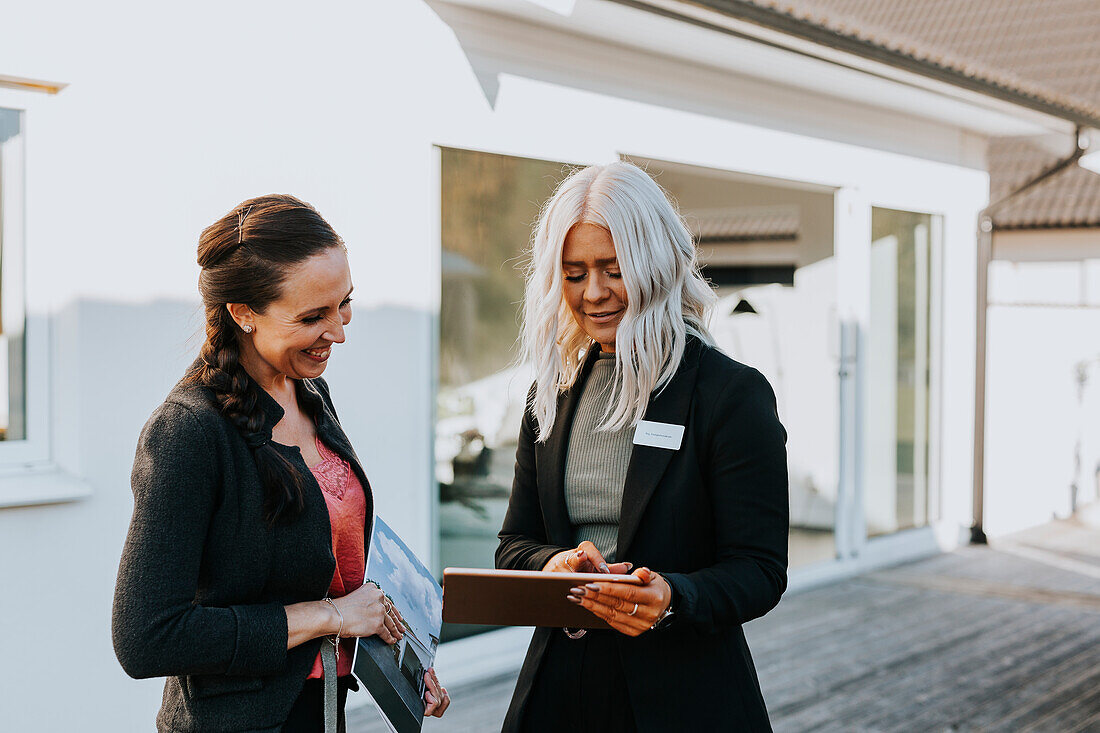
{"points": [[328, 666]]}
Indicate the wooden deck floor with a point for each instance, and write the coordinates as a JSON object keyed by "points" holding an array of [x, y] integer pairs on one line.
{"points": [[1005, 638]]}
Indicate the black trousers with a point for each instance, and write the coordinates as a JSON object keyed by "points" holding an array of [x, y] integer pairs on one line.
{"points": [[308, 713], [580, 687]]}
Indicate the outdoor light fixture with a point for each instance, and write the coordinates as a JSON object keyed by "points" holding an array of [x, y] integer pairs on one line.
{"points": [[743, 306], [1090, 161]]}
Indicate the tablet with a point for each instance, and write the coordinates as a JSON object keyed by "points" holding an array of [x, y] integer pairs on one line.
{"points": [[520, 597]]}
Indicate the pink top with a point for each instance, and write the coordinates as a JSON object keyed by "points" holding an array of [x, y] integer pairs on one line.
{"points": [[347, 513]]}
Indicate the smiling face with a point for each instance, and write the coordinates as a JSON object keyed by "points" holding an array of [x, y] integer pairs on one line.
{"points": [[294, 335], [593, 285]]}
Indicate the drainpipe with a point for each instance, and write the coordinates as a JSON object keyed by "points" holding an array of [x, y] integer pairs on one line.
{"points": [[985, 256]]}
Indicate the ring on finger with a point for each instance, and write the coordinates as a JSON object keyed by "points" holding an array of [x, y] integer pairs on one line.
{"points": [[634, 611]]}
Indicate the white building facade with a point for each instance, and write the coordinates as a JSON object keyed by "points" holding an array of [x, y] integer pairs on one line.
{"points": [[127, 128]]}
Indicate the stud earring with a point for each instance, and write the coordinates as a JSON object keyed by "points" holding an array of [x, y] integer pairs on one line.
{"points": [[246, 329]]}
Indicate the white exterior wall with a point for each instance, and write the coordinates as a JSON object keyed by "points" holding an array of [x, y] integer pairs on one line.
{"points": [[1042, 430], [171, 117]]}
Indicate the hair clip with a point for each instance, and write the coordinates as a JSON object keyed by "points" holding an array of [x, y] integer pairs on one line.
{"points": [[240, 223]]}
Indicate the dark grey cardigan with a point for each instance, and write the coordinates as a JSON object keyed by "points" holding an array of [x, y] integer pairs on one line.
{"points": [[203, 578]]}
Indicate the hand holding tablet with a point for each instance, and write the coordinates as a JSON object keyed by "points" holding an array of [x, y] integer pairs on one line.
{"points": [[521, 597]]}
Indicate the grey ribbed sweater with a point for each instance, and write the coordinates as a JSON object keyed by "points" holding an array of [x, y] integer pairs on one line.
{"points": [[595, 465]]}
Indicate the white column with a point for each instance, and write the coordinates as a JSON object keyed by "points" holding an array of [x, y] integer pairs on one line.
{"points": [[852, 221]]}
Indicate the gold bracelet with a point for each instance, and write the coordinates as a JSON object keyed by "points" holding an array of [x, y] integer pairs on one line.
{"points": [[340, 632]]}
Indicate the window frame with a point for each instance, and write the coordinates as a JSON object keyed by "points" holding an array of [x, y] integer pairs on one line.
{"points": [[33, 448], [29, 472]]}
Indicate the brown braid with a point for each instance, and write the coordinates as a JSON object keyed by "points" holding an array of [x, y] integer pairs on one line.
{"points": [[245, 257]]}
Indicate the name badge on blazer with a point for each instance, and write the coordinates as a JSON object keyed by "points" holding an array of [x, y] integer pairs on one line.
{"points": [[659, 435]]}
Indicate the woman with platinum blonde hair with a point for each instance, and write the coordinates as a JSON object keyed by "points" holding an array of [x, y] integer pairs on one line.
{"points": [[645, 447], [667, 297]]}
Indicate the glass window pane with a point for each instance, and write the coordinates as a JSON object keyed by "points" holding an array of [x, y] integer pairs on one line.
{"points": [[898, 367], [767, 249], [490, 204], [12, 319]]}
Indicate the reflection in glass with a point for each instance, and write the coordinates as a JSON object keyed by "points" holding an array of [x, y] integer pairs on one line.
{"points": [[490, 204], [783, 331], [767, 248], [898, 371], [12, 319]]}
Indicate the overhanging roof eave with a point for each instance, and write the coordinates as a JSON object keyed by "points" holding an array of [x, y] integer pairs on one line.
{"points": [[788, 25]]}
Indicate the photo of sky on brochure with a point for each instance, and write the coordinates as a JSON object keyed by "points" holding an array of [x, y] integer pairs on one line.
{"points": [[414, 591]]}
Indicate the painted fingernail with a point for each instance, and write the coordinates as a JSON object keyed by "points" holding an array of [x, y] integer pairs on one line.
{"points": [[577, 591], [604, 568], [630, 566], [592, 587], [574, 599]]}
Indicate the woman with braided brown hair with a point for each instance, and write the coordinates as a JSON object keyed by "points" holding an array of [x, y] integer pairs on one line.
{"points": [[242, 577]]}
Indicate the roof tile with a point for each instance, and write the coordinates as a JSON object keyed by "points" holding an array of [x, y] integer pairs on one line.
{"points": [[1068, 199], [1048, 49]]}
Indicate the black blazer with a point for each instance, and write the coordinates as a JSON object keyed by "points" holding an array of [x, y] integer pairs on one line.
{"points": [[203, 578], [711, 517]]}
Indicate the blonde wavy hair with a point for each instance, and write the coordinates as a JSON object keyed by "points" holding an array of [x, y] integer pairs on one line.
{"points": [[667, 298]]}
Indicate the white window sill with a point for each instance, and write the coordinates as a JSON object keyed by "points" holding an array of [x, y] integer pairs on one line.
{"points": [[41, 485]]}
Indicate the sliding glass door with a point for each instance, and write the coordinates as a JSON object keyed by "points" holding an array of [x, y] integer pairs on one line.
{"points": [[768, 249]]}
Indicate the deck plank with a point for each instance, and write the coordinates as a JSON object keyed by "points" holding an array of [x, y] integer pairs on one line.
{"points": [[981, 639]]}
